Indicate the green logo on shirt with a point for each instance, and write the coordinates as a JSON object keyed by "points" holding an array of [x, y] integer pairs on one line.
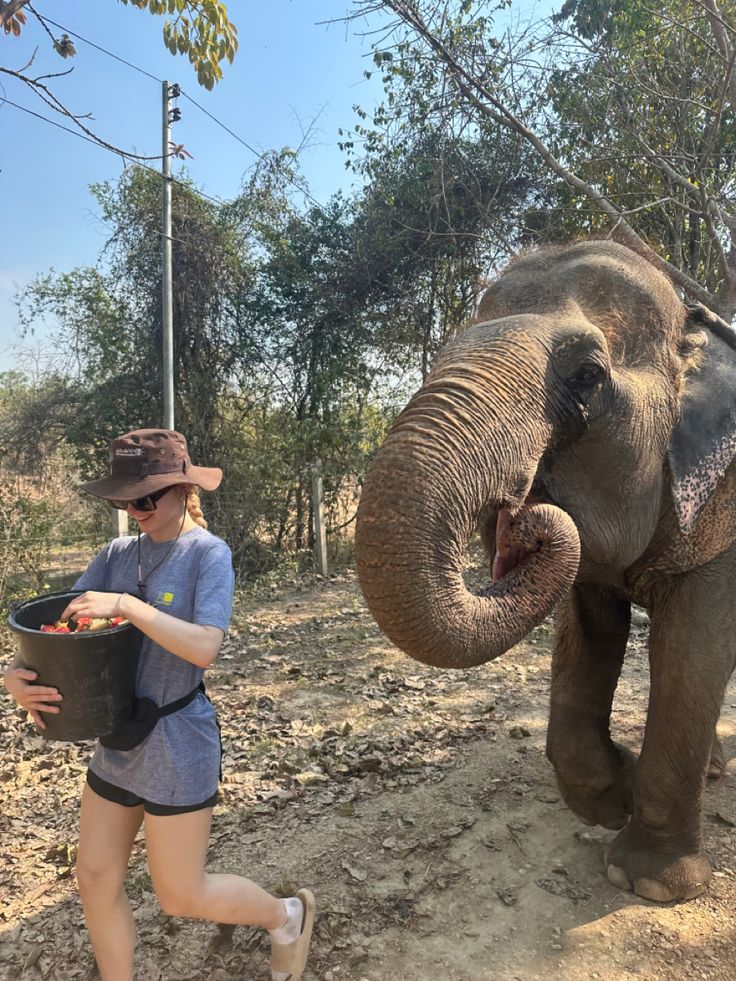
{"points": [[166, 599]]}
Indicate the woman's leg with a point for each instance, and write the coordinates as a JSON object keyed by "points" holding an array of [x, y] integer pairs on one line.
{"points": [[177, 848], [106, 835]]}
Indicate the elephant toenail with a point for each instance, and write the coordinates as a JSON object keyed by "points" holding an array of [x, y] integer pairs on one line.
{"points": [[618, 877], [695, 890], [652, 889]]}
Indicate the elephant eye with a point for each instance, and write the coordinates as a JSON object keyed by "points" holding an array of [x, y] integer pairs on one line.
{"points": [[586, 381]]}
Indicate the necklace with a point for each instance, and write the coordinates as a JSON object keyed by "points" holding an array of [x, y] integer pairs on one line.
{"points": [[142, 580]]}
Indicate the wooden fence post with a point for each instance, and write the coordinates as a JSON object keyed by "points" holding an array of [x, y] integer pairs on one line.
{"points": [[320, 538], [120, 523]]}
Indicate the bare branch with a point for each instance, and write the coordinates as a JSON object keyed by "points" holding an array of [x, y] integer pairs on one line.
{"points": [[720, 33], [30, 61], [682, 25], [68, 71], [42, 22], [484, 100], [54, 103]]}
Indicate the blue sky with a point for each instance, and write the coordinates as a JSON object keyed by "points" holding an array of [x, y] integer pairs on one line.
{"points": [[291, 68]]}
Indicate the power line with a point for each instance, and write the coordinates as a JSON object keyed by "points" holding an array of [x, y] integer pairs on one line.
{"points": [[67, 129], [201, 108], [222, 125], [307, 194], [102, 146], [226, 251], [104, 50]]}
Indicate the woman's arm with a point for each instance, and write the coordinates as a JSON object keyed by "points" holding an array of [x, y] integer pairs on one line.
{"points": [[192, 642], [19, 681], [33, 698]]}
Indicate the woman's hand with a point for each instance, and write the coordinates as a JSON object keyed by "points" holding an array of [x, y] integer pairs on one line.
{"points": [[33, 698], [92, 604]]}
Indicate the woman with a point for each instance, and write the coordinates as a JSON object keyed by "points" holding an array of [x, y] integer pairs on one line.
{"points": [[175, 583]]}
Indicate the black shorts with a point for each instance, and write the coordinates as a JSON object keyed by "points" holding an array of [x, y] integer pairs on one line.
{"points": [[119, 796]]}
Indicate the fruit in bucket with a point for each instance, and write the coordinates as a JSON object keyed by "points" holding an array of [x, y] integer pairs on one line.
{"points": [[82, 623]]}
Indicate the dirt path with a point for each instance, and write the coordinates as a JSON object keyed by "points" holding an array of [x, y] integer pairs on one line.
{"points": [[418, 805]]}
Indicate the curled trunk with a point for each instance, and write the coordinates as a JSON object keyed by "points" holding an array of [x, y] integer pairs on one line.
{"points": [[455, 453]]}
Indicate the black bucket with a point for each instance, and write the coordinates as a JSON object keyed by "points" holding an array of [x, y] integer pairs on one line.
{"points": [[95, 670]]}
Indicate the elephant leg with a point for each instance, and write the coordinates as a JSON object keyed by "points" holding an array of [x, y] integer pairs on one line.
{"points": [[594, 774], [659, 854]]}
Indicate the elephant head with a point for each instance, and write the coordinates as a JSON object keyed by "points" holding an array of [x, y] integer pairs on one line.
{"points": [[547, 424]]}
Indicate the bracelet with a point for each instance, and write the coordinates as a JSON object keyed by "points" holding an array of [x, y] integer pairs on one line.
{"points": [[118, 607]]}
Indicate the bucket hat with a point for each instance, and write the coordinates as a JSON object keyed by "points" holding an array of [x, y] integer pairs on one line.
{"points": [[147, 460]]}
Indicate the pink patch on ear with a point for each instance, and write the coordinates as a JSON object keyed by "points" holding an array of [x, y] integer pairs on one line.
{"points": [[686, 505], [693, 491]]}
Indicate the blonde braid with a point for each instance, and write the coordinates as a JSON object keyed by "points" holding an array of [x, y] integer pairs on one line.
{"points": [[194, 507]]}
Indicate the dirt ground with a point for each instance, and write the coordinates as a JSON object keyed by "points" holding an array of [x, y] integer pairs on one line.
{"points": [[416, 803]]}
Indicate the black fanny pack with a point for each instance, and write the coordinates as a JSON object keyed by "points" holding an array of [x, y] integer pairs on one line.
{"points": [[144, 715]]}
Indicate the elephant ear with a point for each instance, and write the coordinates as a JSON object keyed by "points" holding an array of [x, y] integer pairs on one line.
{"points": [[704, 442]]}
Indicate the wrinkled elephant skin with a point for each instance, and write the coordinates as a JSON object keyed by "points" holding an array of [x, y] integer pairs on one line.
{"points": [[586, 425]]}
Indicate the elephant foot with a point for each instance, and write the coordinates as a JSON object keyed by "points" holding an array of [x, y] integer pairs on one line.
{"points": [[662, 877], [717, 764], [599, 792]]}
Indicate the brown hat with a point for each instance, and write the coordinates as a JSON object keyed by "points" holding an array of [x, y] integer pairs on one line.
{"points": [[148, 460]]}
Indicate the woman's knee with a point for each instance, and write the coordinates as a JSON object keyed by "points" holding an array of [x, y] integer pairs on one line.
{"points": [[98, 882], [179, 898]]}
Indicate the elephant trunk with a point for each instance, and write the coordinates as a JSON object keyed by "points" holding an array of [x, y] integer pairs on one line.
{"points": [[459, 449]]}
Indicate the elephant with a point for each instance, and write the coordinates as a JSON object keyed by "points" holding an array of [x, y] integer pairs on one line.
{"points": [[585, 423]]}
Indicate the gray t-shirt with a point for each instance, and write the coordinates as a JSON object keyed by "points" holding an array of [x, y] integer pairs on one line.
{"points": [[178, 763]]}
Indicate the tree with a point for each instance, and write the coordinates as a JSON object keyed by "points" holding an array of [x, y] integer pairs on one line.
{"points": [[431, 221], [110, 323], [641, 112], [200, 29], [271, 348], [671, 122], [315, 343], [438, 207], [35, 494]]}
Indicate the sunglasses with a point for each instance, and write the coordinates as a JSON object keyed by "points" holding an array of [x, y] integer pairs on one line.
{"points": [[147, 503]]}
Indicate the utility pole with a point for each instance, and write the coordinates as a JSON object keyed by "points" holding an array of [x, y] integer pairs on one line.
{"points": [[169, 116]]}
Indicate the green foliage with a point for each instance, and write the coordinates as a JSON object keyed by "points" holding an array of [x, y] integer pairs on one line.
{"points": [[434, 217], [445, 186], [25, 527], [643, 114], [109, 336], [200, 29], [272, 350], [591, 19], [315, 345], [39, 508], [629, 110]]}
